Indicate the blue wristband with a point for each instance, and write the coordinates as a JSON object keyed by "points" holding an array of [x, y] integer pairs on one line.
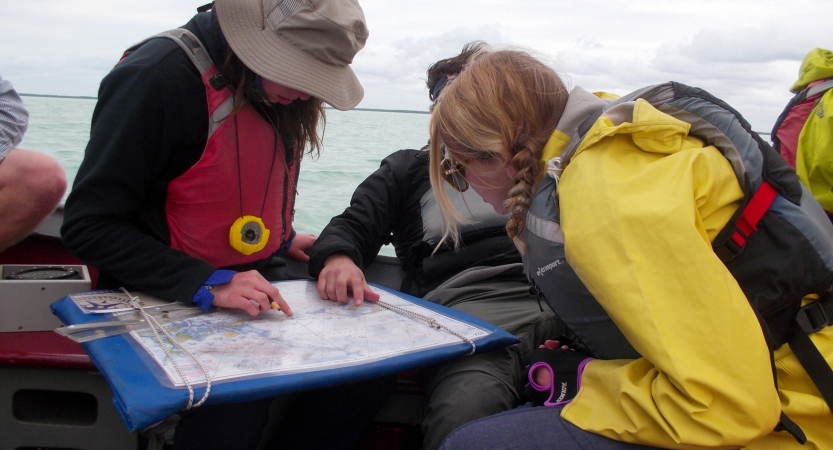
{"points": [[203, 297], [284, 248]]}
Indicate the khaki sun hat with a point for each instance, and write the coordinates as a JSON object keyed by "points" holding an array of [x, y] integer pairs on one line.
{"points": [[306, 45]]}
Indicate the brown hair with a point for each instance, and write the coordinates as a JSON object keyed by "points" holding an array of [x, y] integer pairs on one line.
{"points": [[504, 105], [452, 66], [299, 119]]}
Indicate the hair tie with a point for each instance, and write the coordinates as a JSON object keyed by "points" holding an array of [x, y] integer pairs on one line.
{"points": [[435, 91]]}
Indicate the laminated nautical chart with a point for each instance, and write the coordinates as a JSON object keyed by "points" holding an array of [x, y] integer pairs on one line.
{"points": [[248, 358], [321, 334]]}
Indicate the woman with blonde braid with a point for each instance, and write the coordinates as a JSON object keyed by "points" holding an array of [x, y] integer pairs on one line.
{"points": [[619, 208]]}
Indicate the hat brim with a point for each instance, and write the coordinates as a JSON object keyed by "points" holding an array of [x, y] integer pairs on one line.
{"points": [[266, 54]]}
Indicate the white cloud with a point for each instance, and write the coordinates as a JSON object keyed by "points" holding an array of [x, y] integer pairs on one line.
{"points": [[744, 51], [397, 71], [762, 43]]}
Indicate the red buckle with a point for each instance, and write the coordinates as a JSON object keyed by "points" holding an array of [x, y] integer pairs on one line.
{"points": [[747, 223]]}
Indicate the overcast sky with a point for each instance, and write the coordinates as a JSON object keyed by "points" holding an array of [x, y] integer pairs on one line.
{"points": [[745, 52]]}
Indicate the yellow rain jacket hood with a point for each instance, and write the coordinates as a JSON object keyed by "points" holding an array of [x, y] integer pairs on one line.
{"points": [[817, 65]]}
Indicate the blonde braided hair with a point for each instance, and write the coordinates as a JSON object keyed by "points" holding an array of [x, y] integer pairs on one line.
{"points": [[503, 106]]}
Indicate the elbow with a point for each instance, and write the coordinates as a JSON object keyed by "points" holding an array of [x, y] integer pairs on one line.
{"points": [[736, 417], [75, 230], [742, 427], [68, 239], [759, 418]]}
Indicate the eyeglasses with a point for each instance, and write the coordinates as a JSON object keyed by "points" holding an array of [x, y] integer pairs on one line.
{"points": [[454, 174]]}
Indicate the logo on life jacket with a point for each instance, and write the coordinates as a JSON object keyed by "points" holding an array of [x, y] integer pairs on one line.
{"points": [[548, 267]]}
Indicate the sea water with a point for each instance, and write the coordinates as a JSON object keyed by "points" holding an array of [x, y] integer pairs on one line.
{"points": [[355, 142]]}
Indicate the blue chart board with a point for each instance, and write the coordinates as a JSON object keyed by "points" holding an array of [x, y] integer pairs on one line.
{"points": [[326, 343]]}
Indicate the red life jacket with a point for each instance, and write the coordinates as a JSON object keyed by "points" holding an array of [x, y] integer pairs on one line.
{"points": [[204, 202], [789, 124]]}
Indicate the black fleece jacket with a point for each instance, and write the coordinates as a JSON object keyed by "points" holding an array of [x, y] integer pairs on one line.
{"points": [[149, 126], [386, 208]]}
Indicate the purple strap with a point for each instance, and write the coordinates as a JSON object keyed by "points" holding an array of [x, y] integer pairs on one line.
{"points": [[562, 390]]}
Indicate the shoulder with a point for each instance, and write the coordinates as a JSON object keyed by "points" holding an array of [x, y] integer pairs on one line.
{"points": [[158, 74], [150, 52], [407, 161], [159, 58], [408, 169], [164, 51]]}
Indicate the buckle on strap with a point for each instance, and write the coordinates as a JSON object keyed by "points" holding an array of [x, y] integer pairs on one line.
{"points": [[729, 250], [816, 315], [218, 81]]}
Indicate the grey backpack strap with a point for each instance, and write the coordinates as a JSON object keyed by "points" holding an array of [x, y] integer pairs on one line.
{"points": [[189, 43], [559, 163], [819, 88]]}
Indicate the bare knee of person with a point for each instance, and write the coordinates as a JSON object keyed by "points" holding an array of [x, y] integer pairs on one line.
{"points": [[31, 186], [36, 175]]}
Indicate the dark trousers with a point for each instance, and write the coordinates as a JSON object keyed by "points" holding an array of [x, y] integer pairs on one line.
{"points": [[528, 428], [231, 426], [330, 418]]}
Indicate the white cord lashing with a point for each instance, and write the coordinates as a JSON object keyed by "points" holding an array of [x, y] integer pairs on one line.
{"points": [[155, 326], [431, 322]]}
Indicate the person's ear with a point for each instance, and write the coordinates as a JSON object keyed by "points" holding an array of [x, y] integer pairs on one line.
{"points": [[510, 169]]}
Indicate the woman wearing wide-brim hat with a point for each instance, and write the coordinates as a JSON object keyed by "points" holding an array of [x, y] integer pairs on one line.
{"points": [[188, 184]]}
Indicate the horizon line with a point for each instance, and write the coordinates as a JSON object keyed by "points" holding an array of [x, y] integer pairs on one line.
{"points": [[405, 111], [85, 97]]}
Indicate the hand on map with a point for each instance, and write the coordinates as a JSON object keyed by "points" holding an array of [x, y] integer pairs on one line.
{"points": [[250, 292], [300, 244], [340, 277]]}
